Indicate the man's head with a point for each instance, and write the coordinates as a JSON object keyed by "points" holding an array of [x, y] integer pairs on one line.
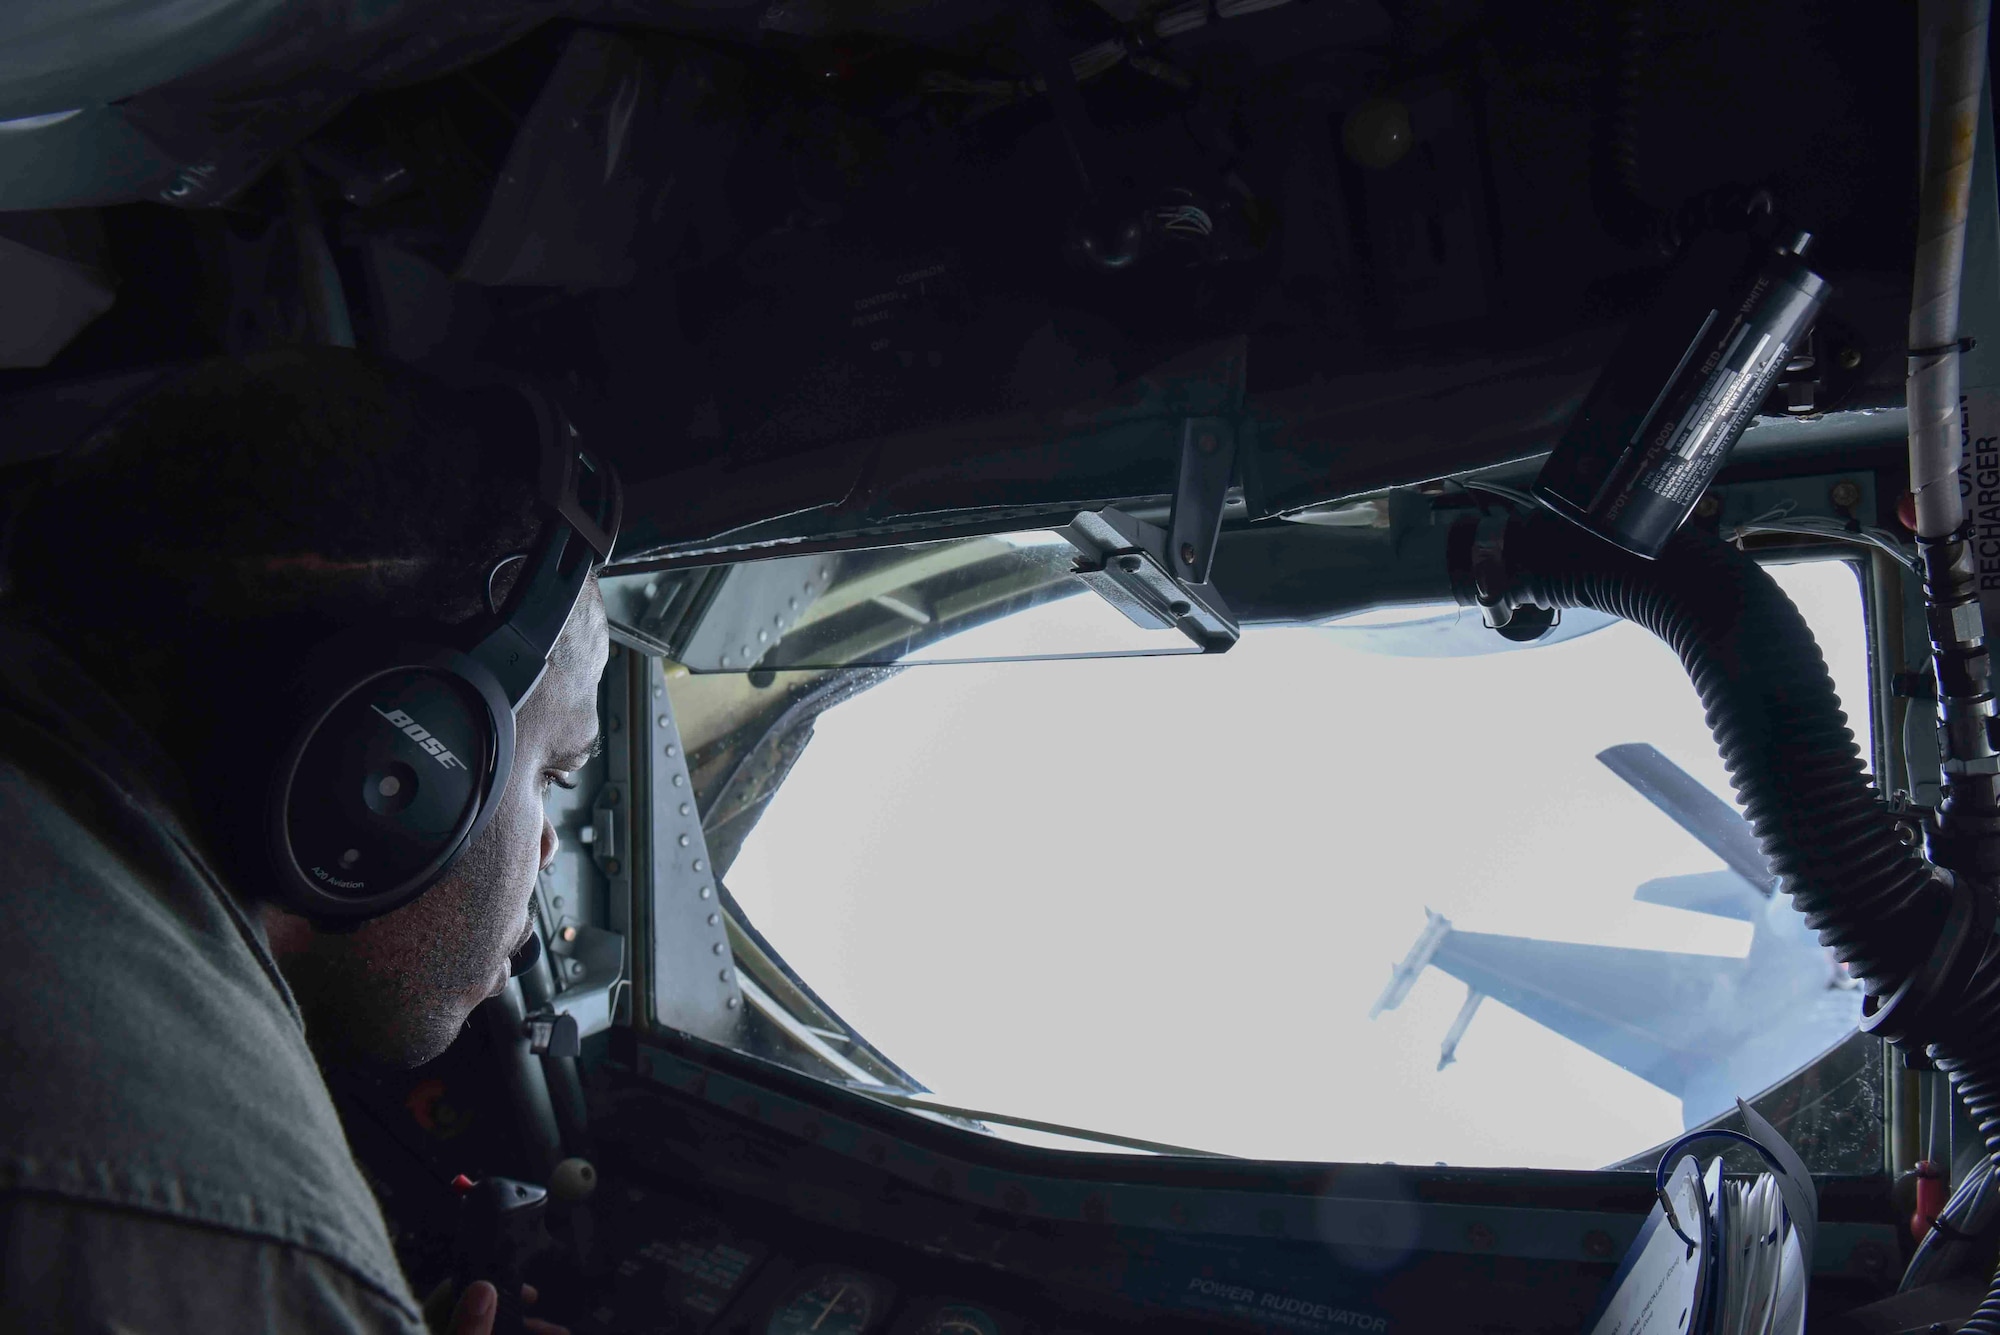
{"points": [[192, 556], [404, 983]]}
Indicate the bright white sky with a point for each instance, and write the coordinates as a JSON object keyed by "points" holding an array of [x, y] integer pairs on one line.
{"points": [[1157, 896]]}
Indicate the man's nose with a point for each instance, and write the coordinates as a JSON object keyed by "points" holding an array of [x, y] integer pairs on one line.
{"points": [[550, 843]]}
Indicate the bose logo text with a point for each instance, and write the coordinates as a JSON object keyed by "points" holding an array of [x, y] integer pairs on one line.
{"points": [[417, 733]]}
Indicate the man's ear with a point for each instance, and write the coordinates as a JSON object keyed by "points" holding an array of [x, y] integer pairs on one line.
{"points": [[286, 933]]}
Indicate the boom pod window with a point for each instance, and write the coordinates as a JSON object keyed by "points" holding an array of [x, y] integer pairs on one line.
{"points": [[1387, 888]]}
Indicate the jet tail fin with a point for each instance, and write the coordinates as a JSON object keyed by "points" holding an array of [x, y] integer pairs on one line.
{"points": [[1719, 826]]}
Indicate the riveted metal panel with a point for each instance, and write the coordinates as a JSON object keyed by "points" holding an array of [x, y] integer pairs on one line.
{"points": [[691, 977]]}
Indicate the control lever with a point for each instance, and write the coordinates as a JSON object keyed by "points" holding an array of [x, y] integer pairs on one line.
{"points": [[500, 1229]]}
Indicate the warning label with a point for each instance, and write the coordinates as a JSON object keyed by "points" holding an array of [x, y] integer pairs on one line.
{"points": [[1979, 484], [1277, 1309], [1315, 1300]]}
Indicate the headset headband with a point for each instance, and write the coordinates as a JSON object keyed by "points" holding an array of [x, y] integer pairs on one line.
{"points": [[588, 502]]}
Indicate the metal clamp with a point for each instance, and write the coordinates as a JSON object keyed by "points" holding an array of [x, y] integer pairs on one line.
{"points": [[1124, 560], [1480, 579], [1160, 577]]}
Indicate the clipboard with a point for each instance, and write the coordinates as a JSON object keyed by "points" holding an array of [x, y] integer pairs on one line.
{"points": [[1660, 1286], [1676, 1278]]}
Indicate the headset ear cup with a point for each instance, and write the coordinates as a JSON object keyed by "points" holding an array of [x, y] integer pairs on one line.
{"points": [[387, 784]]}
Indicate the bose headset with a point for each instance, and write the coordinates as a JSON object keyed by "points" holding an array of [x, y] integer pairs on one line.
{"points": [[407, 746]]}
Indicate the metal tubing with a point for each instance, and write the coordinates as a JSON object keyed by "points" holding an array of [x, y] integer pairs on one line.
{"points": [[1959, 71], [1968, 837], [1902, 1133]]}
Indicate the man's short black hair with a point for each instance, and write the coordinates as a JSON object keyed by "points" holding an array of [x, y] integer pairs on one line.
{"points": [[213, 534]]}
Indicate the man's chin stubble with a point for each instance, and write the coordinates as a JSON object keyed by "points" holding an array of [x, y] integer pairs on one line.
{"points": [[367, 1020]]}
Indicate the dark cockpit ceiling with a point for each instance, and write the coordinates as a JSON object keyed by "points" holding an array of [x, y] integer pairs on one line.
{"points": [[840, 272]]}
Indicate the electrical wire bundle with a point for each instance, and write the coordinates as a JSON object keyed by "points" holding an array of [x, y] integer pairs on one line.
{"points": [[1780, 519], [1951, 1246]]}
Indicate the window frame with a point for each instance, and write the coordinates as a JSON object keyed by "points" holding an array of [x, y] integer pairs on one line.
{"points": [[815, 1028]]}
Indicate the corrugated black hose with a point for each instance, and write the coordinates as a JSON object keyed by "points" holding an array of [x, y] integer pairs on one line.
{"points": [[1876, 902]]}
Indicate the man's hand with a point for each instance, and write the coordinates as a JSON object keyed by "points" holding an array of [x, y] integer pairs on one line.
{"points": [[480, 1304]]}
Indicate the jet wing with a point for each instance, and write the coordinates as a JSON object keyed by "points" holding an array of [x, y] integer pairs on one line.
{"points": [[1646, 1010]]}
